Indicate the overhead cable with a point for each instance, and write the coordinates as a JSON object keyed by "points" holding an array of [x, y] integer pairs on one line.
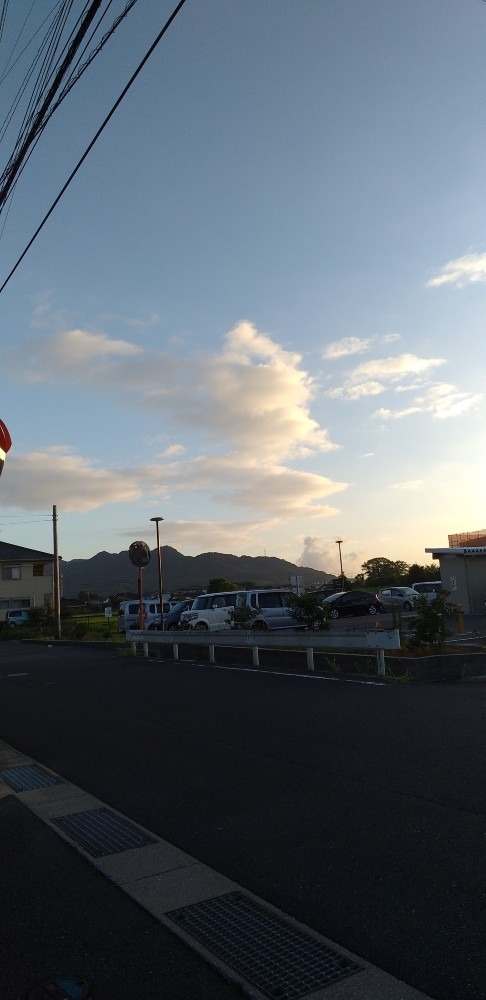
{"points": [[95, 138]]}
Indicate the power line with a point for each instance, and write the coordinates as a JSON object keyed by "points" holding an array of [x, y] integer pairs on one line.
{"points": [[96, 137]]}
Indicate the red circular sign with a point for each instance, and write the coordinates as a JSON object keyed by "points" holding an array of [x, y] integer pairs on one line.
{"points": [[5, 439]]}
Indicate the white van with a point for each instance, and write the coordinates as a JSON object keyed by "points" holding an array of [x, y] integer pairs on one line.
{"points": [[428, 589], [129, 613], [210, 611]]}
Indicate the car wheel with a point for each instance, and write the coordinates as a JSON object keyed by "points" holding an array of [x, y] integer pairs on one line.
{"points": [[372, 609], [407, 606], [201, 626], [171, 628], [260, 626], [334, 613]]}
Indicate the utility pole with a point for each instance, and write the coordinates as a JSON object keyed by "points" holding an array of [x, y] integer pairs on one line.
{"points": [[159, 557], [339, 541], [57, 587]]}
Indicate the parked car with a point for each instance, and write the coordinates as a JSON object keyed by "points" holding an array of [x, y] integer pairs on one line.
{"points": [[129, 613], [17, 617], [428, 589], [210, 611], [403, 598], [172, 618], [352, 602]]}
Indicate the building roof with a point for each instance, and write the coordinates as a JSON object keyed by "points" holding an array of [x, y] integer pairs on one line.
{"points": [[18, 553], [467, 550]]}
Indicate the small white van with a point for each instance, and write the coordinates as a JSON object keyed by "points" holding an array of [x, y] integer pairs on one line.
{"points": [[129, 613], [428, 589], [210, 611]]}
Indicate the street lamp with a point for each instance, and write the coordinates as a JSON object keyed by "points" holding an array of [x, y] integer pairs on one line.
{"points": [[339, 541], [157, 522]]}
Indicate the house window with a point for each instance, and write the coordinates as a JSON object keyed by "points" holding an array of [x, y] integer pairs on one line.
{"points": [[38, 569], [11, 573], [21, 602]]}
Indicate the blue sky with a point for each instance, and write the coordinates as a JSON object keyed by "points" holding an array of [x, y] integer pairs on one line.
{"points": [[258, 310]]}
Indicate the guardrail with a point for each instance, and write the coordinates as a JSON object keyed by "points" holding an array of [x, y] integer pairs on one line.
{"points": [[377, 638]]}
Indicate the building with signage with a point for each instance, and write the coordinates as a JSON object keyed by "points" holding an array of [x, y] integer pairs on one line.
{"points": [[26, 578], [463, 574]]}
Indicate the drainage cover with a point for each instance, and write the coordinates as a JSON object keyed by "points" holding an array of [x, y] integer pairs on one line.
{"points": [[281, 960], [27, 777], [101, 832]]}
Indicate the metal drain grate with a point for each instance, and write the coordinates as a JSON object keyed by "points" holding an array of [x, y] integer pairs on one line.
{"points": [[27, 777], [279, 959], [100, 832]]}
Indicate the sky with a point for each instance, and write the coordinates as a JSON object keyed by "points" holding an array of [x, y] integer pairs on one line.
{"points": [[258, 310]]}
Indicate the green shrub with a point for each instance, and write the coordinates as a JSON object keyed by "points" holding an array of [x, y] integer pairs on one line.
{"points": [[309, 611], [429, 622]]}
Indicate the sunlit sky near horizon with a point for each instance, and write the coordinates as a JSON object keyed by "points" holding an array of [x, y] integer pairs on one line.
{"points": [[258, 310]]}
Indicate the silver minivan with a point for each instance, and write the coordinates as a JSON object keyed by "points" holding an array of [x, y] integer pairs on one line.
{"points": [[210, 611], [129, 613]]}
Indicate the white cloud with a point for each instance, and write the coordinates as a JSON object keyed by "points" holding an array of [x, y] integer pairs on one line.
{"points": [[318, 554], [371, 378], [441, 400], [346, 346], [467, 270], [75, 483], [355, 345], [251, 396]]}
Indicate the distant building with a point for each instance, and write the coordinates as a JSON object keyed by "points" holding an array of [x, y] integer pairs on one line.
{"points": [[468, 538], [26, 578], [463, 571]]}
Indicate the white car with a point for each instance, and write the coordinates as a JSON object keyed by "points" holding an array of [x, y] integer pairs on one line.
{"points": [[210, 611]]}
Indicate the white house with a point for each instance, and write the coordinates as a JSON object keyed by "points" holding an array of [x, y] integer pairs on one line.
{"points": [[27, 578]]}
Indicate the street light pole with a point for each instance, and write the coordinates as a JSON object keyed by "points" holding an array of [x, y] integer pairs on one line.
{"points": [[157, 522], [339, 541]]}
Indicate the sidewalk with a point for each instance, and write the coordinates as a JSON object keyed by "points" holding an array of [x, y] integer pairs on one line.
{"points": [[70, 914]]}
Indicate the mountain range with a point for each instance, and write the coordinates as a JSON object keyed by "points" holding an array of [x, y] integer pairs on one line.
{"points": [[108, 573]]}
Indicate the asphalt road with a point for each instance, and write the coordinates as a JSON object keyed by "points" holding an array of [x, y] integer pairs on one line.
{"points": [[359, 809]]}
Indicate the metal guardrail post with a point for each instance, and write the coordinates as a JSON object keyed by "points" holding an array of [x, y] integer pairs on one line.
{"points": [[380, 656], [255, 656], [175, 651], [310, 659], [145, 649], [212, 658]]}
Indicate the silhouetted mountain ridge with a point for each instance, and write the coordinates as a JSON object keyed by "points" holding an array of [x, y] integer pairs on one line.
{"points": [[109, 573]]}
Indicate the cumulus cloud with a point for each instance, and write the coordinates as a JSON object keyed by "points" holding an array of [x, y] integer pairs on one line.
{"points": [[441, 400], [252, 396], [467, 270], [318, 554], [371, 378], [247, 405]]}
